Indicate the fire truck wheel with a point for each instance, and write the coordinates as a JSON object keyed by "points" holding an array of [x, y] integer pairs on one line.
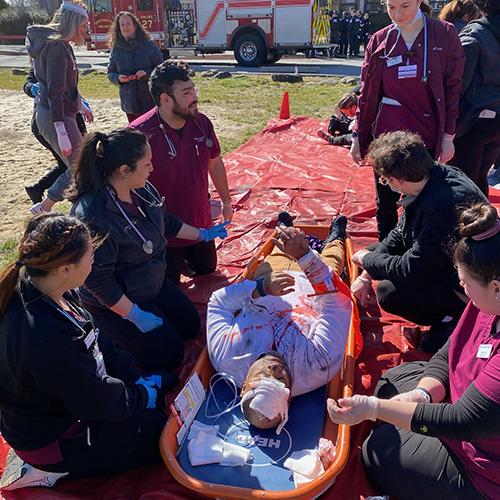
{"points": [[249, 50], [273, 57]]}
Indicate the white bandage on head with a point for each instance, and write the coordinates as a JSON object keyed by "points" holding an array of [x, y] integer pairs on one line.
{"points": [[270, 398], [74, 7]]}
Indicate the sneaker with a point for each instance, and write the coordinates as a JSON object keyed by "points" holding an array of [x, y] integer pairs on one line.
{"points": [[35, 193], [37, 209], [285, 219], [337, 229], [18, 474]]}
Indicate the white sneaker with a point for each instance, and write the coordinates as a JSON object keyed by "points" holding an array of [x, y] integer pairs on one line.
{"points": [[37, 209], [19, 474]]}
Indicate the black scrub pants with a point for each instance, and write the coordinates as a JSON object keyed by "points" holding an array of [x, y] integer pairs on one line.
{"points": [[407, 465], [200, 258], [111, 447], [477, 150], [426, 305], [162, 348]]}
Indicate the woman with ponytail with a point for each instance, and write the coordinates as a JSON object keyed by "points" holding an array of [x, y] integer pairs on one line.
{"points": [[71, 402], [440, 430], [128, 291], [459, 13]]}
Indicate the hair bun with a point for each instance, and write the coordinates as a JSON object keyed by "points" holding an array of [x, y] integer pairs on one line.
{"points": [[477, 219]]}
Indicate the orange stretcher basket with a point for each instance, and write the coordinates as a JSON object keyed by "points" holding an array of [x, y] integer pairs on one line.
{"points": [[340, 386]]}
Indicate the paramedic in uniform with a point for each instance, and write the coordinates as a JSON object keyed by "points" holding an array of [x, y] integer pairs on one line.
{"points": [[410, 80], [185, 151]]}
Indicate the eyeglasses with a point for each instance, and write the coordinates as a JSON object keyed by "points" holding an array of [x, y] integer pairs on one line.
{"points": [[384, 181]]}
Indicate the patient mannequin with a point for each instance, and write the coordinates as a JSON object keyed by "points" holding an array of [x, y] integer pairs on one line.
{"points": [[282, 334]]}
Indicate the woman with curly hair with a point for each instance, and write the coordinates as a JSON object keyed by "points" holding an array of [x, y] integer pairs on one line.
{"points": [[132, 59]]}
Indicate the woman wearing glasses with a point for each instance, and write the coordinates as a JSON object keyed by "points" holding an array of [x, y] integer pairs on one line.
{"points": [[127, 291], [410, 80], [417, 278]]}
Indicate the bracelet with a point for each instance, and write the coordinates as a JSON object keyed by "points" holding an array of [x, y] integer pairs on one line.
{"points": [[426, 392], [260, 287]]}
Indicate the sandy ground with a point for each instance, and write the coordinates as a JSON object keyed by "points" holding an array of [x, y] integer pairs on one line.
{"points": [[23, 160]]}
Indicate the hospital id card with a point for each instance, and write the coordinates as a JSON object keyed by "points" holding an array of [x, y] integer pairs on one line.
{"points": [[393, 61], [407, 71], [186, 405]]}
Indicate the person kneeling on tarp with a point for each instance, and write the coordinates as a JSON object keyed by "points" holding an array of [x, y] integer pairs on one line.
{"points": [[283, 333], [413, 264], [439, 435], [71, 402]]}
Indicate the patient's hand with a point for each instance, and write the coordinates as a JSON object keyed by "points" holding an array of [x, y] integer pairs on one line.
{"points": [[292, 241], [278, 283]]}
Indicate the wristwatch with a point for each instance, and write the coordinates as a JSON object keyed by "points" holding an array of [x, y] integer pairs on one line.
{"points": [[354, 133]]}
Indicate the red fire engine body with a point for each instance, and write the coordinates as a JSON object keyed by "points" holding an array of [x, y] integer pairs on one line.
{"points": [[258, 31]]}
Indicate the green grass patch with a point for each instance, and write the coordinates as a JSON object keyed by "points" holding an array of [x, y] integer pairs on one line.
{"points": [[239, 106]]}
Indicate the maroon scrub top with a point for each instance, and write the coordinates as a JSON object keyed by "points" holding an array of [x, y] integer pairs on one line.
{"points": [[417, 112], [182, 178]]}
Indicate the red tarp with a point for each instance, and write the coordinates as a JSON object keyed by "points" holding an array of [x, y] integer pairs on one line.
{"points": [[285, 167]]}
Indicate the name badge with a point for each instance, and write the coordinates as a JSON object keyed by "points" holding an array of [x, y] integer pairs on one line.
{"points": [[408, 71], [392, 61], [484, 351], [89, 338]]}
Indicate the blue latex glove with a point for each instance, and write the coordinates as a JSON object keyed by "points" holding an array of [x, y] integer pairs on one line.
{"points": [[152, 394], [35, 89], [143, 320], [218, 231], [151, 381]]}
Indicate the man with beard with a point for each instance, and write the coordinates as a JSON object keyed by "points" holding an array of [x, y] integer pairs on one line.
{"points": [[185, 150]]}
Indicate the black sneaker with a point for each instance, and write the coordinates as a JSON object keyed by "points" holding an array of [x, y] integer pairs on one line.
{"points": [[337, 229], [35, 193], [285, 219]]}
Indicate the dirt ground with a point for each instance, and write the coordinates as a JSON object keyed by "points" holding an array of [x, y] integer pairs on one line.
{"points": [[23, 160]]}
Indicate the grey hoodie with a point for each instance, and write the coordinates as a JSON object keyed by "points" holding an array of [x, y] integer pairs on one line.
{"points": [[481, 79], [55, 68]]}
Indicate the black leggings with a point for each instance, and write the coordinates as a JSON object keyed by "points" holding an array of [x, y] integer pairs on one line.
{"points": [[200, 257], [111, 447], [424, 305], [161, 348], [407, 465]]}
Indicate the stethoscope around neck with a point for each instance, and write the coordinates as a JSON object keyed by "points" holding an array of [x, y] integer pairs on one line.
{"points": [[147, 245], [394, 26], [172, 151]]}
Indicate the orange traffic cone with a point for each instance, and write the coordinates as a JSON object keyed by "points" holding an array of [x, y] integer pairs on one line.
{"points": [[285, 107]]}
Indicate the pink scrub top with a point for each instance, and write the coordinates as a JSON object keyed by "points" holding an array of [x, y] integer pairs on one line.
{"points": [[481, 458], [181, 178], [417, 112]]}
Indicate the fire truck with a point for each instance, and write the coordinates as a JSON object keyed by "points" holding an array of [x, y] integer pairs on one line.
{"points": [[258, 31]]}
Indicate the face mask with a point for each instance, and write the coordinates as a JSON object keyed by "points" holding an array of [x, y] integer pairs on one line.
{"points": [[270, 398]]}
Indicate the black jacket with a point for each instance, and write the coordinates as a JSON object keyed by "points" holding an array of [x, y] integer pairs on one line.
{"points": [[481, 79], [121, 266], [126, 59], [49, 375], [418, 250]]}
